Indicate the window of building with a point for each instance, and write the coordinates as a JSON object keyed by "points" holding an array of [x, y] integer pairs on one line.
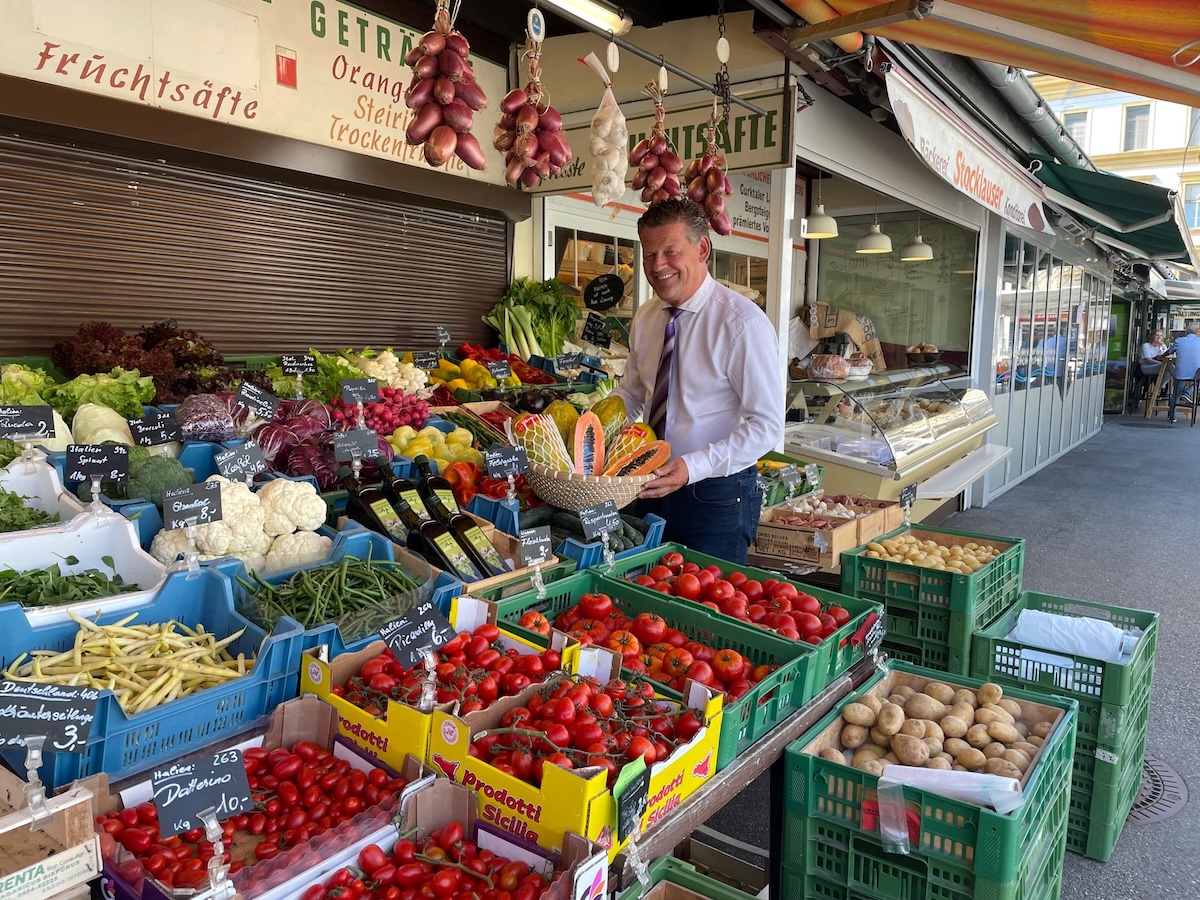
{"points": [[1137, 127], [1191, 204], [1076, 124]]}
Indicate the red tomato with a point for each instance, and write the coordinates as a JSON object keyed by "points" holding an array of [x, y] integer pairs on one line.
{"points": [[642, 747], [674, 637], [688, 587], [728, 666], [789, 632], [701, 672], [737, 579], [644, 581], [663, 587], [536, 622], [595, 606], [736, 607], [707, 579], [753, 590], [660, 573], [699, 651], [755, 612], [719, 592], [673, 561], [649, 628], [739, 689], [840, 615], [807, 624], [676, 662], [806, 603], [689, 568]]}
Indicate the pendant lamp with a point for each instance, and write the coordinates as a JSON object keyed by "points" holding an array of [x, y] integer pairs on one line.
{"points": [[918, 250], [874, 241], [821, 225]]}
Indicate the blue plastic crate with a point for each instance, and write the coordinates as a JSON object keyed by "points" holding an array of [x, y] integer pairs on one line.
{"points": [[504, 514], [120, 744], [588, 555]]}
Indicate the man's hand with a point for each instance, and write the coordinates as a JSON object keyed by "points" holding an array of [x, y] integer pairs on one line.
{"points": [[667, 479]]}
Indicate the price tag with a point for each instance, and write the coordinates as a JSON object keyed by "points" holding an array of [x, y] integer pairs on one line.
{"points": [[790, 476], [536, 546], [184, 790], [241, 461], [26, 421], [503, 461], [422, 629], [425, 359], [633, 797], [298, 364], [150, 431], [908, 494], [595, 331], [499, 369], [261, 404], [201, 502], [590, 362], [62, 713], [356, 389], [362, 440], [599, 520], [603, 292], [870, 634], [443, 334], [812, 474], [109, 461], [566, 361]]}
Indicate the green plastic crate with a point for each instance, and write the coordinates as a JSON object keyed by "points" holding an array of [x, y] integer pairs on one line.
{"points": [[674, 871], [767, 703], [977, 841], [523, 584], [252, 363], [934, 612], [837, 654], [777, 490]]}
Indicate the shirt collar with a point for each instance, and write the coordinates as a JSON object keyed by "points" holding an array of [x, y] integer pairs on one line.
{"points": [[698, 300]]}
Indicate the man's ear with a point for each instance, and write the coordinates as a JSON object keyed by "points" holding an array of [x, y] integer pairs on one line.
{"points": [[705, 248]]}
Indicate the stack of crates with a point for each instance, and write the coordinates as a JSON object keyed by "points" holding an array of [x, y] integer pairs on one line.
{"points": [[1114, 708]]}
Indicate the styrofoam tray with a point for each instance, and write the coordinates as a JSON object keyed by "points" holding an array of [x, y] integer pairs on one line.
{"points": [[89, 538], [37, 481]]}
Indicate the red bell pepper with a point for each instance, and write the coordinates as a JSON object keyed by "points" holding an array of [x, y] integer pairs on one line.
{"points": [[464, 478]]}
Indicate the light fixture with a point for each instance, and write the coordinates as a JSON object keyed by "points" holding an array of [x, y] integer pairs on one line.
{"points": [[601, 15], [918, 250], [821, 225], [874, 241]]}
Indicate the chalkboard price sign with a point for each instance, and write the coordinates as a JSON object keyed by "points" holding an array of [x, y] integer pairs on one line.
{"points": [[599, 520], [355, 390], [199, 502], [505, 461], [150, 431], [61, 712], [595, 331], [499, 369], [603, 292], [26, 422], [109, 461], [535, 545], [261, 404], [361, 442], [790, 476], [241, 461], [425, 359], [632, 802], [566, 361], [298, 364], [420, 630], [908, 494], [215, 781], [443, 334]]}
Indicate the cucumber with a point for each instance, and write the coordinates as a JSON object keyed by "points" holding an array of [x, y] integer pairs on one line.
{"points": [[569, 522]]}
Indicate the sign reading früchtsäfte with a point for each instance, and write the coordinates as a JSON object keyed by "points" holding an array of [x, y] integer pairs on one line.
{"points": [[324, 71]]}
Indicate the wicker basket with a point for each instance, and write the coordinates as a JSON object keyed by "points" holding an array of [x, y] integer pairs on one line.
{"points": [[567, 490]]}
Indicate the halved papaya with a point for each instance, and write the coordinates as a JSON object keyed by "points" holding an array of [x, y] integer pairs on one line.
{"points": [[589, 445], [642, 461]]}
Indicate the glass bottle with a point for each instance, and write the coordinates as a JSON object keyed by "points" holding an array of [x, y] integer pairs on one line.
{"points": [[433, 485], [397, 487], [370, 507], [438, 544], [471, 537]]}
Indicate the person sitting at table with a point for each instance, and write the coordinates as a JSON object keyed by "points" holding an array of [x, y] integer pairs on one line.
{"points": [[1187, 362], [1152, 352]]}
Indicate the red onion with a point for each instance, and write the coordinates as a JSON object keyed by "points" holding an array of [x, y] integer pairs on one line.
{"points": [[432, 43], [458, 116], [638, 153], [560, 150], [419, 93], [471, 94], [443, 89], [458, 43], [527, 118], [468, 150], [721, 224], [670, 161], [710, 185], [428, 118], [467, 76], [727, 185], [527, 147], [413, 56], [508, 122], [655, 178], [658, 144], [542, 163], [659, 196], [639, 180], [649, 162], [697, 190], [426, 67], [514, 101], [550, 120], [503, 139], [714, 205], [692, 170], [715, 180], [440, 145], [706, 163], [514, 169], [450, 64], [647, 195]]}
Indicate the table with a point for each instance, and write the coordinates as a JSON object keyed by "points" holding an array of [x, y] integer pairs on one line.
{"points": [[765, 755]]}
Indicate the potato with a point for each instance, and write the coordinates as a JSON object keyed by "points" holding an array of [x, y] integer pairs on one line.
{"points": [[993, 750], [1036, 740], [872, 767], [905, 691], [858, 714], [954, 746], [963, 711], [871, 701], [1006, 734], [1003, 767], [1013, 707], [989, 693], [985, 716], [1022, 729], [879, 738], [953, 727], [978, 737], [913, 727], [897, 700], [1018, 758], [854, 736], [870, 751], [922, 706], [934, 745], [940, 691], [891, 758], [971, 759], [1042, 729], [957, 768], [965, 696], [912, 751], [937, 762], [889, 720], [933, 730], [833, 755], [945, 756], [1001, 713], [1025, 747]]}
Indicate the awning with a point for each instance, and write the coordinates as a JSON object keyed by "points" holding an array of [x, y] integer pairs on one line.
{"points": [[1145, 47], [1142, 220]]}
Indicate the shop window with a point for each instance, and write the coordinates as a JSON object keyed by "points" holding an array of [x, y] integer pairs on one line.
{"points": [[1137, 128], [1191, 205], [1076, 124], [582, 256], [745, 274], [1006, 324]]}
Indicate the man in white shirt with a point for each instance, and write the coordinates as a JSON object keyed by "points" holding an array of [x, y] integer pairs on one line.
{"points": [[703, 372]]}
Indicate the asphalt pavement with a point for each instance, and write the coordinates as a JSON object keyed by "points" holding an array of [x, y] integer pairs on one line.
{"points": [[1117, 521]]}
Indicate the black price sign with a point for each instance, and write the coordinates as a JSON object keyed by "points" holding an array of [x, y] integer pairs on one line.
{"points": [[505, 461], [603, 292], [535, 545], [298, 364], [790, 476], [260, 403], [109, 461], [812, 473], [361, 442], [356, 390], [150, 431], [632, 804], [425, 359], [595, 331], [184, 790], [443, 334], [421, 630], [599, 520], [908, 494], [241, 461], [26, 422], [500, 369], [566, 361], [196, 504], [60, 712]]}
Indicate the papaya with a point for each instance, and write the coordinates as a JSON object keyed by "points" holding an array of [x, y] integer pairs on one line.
{"points": [[565, 416], [589, 445], [611, 412], [627, 440], [642, 461]]}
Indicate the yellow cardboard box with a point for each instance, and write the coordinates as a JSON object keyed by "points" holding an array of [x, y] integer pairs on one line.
{"points": [[577, 800]]}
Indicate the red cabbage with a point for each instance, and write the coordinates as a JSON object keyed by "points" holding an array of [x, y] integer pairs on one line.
{"points": [[313, 456], [205, 417], [275, 440], [304, 427], [315, 409]]}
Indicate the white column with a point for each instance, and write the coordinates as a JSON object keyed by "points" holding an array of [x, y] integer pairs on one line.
{"points": [[779, 260]]}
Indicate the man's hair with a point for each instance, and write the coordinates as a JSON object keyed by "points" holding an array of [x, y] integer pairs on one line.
{"points": [[1193, 328], [668, 212]]}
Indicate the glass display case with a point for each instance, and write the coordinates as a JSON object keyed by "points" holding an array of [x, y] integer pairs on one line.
{"points": [[887, 430]]}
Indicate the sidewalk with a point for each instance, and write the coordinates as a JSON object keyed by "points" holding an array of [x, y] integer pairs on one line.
{"points": [[1116, 521]]}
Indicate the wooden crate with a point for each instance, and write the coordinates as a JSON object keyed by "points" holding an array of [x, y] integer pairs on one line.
{"points": [[813, 546]]}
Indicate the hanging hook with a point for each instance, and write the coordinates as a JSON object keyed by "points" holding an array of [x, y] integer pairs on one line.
{"points": [[1194, 47]]}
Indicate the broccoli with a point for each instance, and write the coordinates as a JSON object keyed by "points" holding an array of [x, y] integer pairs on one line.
{"points": [[149, 478]]}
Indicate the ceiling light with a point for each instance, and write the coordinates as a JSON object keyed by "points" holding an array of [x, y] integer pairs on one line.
{"points": [[874, 241], [820, 224], [602, 16], [918, 250]]}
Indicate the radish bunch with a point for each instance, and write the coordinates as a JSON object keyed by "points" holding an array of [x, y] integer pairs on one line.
{"points": [[530, 132], [444, 96], [708, 185]]}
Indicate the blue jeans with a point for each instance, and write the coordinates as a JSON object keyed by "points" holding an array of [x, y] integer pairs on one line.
{"points": [[717, 516], [1181, 385]]}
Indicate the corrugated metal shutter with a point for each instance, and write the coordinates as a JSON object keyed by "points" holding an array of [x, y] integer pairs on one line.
{"points": [[256, 266]]}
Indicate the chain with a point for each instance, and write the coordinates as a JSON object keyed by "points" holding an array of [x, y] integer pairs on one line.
{"points": [[723, 74]]}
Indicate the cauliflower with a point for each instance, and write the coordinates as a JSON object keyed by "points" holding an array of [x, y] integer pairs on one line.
{"points": [[387, 369], [300, 549], [241, 527], [291, 506], [169, 546]]}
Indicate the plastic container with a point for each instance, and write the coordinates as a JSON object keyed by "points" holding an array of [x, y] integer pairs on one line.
{"points": [[589, 554], [38, 482], [504, 514], [763, 707], [121, 744], [673, 871], [836, 654], [932, 614]]}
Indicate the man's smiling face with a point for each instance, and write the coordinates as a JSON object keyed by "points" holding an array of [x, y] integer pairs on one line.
{"points": [[675, 266]]}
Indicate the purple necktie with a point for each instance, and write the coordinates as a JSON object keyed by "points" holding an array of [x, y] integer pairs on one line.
{"points": [[657, 419]]}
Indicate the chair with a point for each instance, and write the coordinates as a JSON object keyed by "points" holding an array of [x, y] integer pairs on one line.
{"points": [[1195, 398], [1141, 383]]}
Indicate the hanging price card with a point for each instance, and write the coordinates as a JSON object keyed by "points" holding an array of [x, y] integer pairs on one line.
{"points": [[196, 504], [150, 431], [26, 422], [298, 364], [109, 461], [61, 712], [599, 520], [185, 789], [420, 630], [241, 461]]}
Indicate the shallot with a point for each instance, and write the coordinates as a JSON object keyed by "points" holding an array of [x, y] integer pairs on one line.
{"points": [[658, 165], [530, 131], [707, 183]]}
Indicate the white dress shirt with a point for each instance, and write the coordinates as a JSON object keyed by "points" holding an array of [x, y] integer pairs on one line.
{"points": [[725, 406]]}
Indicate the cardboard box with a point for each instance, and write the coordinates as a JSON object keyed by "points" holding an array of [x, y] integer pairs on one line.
{"points": [[577, 800], [404, 730], [806, 545], [55, 859]]}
